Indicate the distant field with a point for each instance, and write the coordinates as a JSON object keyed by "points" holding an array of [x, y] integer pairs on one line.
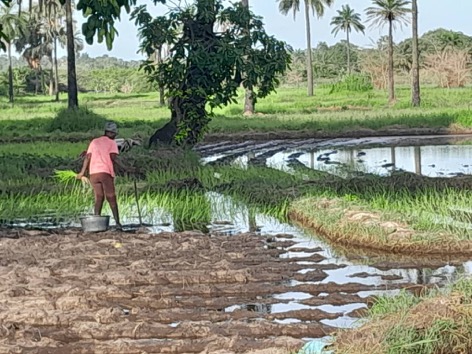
{"points": [[288, 109]]}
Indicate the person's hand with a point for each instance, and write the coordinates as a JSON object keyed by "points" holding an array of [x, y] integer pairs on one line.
{"points": [[79, 175]]}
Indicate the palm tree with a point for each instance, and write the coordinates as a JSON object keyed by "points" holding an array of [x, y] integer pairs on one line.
{"points": [[249, 94], [415, 72], [389, 12], [73, 100], [13, 26], [346, 21], [318, 7]]}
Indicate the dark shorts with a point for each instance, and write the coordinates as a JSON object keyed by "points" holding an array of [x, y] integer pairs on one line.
{"points": [[103, 185]]}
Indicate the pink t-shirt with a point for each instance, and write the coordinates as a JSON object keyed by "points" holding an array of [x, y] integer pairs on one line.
{"points": [[100, 160]]}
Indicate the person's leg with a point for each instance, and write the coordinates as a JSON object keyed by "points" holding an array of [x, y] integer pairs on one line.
{"points": [[96, 182], [109, 186]]}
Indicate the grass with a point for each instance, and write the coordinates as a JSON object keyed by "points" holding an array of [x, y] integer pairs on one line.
{"points": [[49, 137], [288, 109], [438, 322]]}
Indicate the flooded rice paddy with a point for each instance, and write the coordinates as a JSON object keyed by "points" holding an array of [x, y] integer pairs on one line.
{"points": [[429, 156], [244, 282]]}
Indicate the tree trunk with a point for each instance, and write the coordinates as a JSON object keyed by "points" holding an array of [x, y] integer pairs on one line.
{"points": [[43, 84], [51, 80], [249, 101], [309, 59], [162, 101], [348, 54], [36, 82], [56, 73], [73, 101], [10, 75], [415, 69], [391, 83]]}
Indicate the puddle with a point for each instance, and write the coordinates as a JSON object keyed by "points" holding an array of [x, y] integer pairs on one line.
{"points": [[431, 161], [231, 218], [433, 156]]}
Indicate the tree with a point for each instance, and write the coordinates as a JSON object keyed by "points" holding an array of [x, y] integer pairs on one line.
{"points": [[2, 34], [415, 72], [347, 20], [73, 100], [153, 37], [391, 13], [249, 97], [206, 68], [13, 25], [318, 7]]}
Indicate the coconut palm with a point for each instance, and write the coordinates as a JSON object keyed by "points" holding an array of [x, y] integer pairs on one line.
{"points": [[346, 21], [391, 13], [318, 7], [72, 90], [13, 26], [415, 72], [249, 95]]}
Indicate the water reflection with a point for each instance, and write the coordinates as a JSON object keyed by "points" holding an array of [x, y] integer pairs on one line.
{"points": [[432, 161]]}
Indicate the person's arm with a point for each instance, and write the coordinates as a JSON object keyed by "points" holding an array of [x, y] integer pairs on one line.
{"points": [[85, 166], [117, 162]]}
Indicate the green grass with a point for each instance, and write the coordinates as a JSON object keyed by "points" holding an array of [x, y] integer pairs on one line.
{"points": [[439, 321], [288, 109]]}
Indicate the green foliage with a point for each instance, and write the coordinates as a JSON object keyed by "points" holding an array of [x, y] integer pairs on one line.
{"points": [[101, 17], [353, 83], [207, 67], [76, 120]]}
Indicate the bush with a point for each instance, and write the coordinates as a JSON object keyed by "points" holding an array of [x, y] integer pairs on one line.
{"points": [[354, 82], [76, 120]]}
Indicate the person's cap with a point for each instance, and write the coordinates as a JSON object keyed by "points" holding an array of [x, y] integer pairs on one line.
{"points": [[111, 127]]}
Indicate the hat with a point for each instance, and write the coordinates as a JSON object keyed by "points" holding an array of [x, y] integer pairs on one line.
{"points": [[111, 127]]}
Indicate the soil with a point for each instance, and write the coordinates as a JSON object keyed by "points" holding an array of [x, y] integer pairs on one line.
{"points": [[63, 291]]}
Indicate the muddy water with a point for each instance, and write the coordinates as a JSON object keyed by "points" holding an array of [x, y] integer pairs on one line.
{"points": [[383, 275], [434, 156], [255, 283]]}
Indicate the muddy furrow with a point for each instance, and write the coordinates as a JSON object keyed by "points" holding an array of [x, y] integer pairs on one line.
{"points": [[68, 292]]}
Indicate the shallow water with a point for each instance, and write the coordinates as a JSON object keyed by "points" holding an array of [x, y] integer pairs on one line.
{"points": [[385, 273], [434, 156]]}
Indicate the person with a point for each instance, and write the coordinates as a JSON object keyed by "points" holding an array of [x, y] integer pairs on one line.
{"points": [[101, 155]]}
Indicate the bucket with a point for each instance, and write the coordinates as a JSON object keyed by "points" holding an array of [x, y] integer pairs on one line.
{"points": [[95, 223]]}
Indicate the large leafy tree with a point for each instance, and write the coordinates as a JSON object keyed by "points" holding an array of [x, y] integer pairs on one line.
{"points": [[347, 20], [205, 68], [390, 13], [13, 26], [318, 7], [2, 34]]}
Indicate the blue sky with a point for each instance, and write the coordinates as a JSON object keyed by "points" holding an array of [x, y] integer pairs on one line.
{"points": [[450, 14]]}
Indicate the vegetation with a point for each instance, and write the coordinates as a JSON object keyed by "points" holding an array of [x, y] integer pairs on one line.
{"points": [[318, 6], [437, 322], [346, 21], [388, 12]]}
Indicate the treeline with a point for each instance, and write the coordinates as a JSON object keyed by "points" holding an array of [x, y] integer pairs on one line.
{"points": [[101, 74], [445, 56]]}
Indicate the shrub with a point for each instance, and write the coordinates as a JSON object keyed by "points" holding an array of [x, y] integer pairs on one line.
{"points": [[76, 120], [354, 82]]}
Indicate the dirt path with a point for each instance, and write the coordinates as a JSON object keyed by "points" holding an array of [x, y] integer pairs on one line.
{"points": [[173, 292]]}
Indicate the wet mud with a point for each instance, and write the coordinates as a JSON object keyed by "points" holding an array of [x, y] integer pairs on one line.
{"points": [[63, 291]]}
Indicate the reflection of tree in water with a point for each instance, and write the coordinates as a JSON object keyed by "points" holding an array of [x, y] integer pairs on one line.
{"points": [[260, 308]]}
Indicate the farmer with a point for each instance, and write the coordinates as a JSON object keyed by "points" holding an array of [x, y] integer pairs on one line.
{"points": [[101, 154]]}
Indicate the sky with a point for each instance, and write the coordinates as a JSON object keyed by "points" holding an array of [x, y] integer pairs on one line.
{"points": [[433, 14]]}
